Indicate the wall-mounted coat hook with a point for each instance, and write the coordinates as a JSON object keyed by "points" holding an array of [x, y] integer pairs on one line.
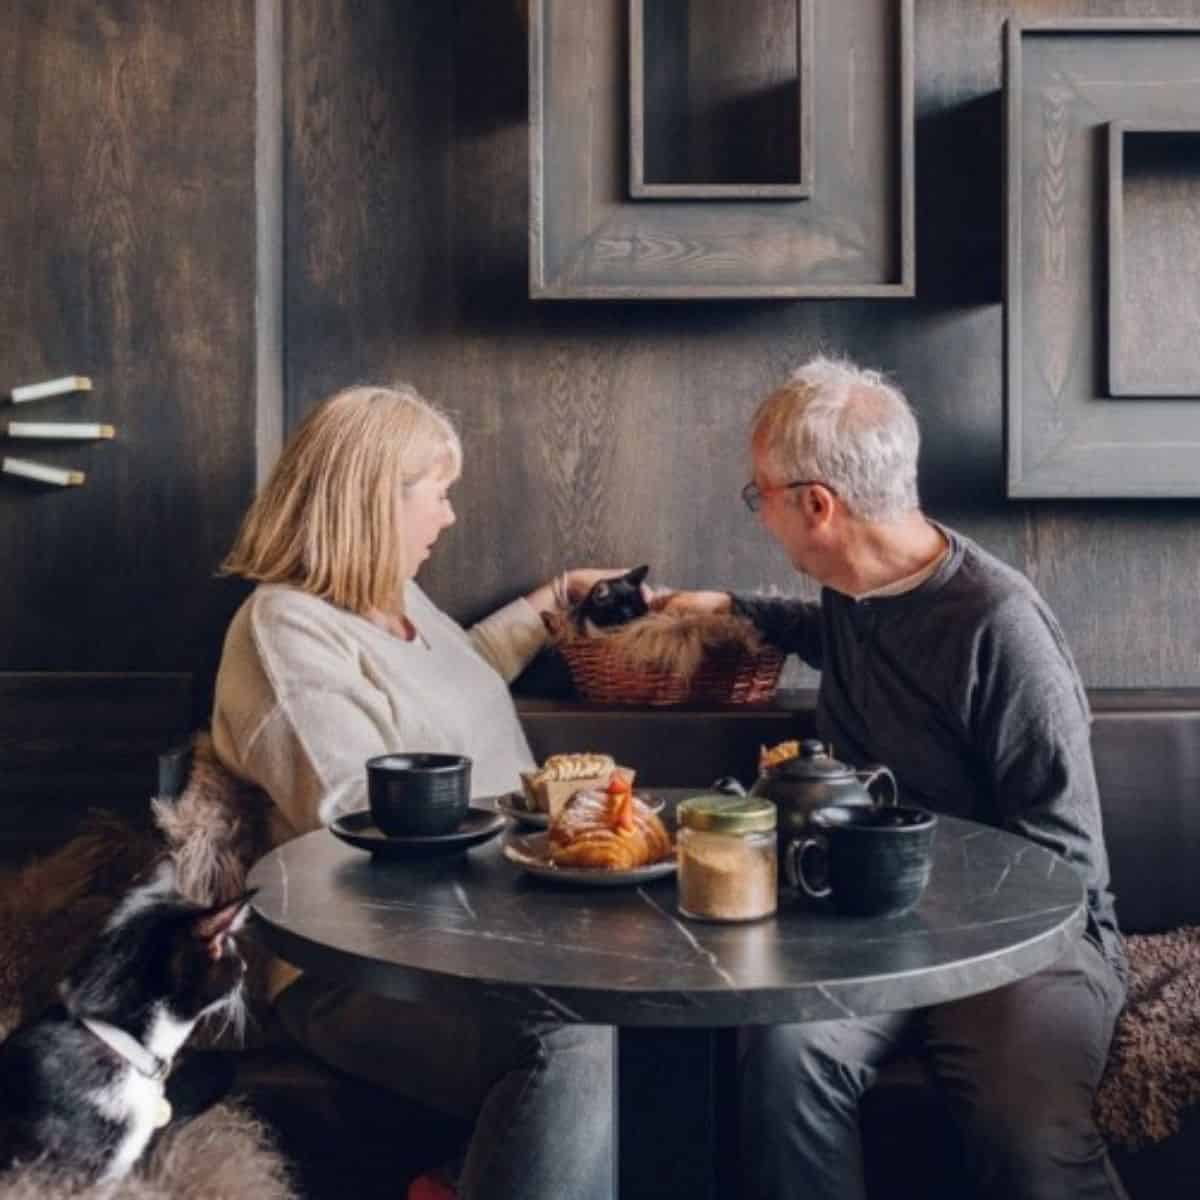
{"points": [[59, 430], [51, 387], [41, 473]]}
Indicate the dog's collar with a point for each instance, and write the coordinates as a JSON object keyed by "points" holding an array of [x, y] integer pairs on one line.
{"points": [[128, 1047]]}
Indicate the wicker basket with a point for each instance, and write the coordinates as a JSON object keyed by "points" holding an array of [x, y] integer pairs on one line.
{"points": [[728, 675]]}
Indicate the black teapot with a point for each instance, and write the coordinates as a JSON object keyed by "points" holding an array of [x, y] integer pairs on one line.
{"points": [[797, 786]]}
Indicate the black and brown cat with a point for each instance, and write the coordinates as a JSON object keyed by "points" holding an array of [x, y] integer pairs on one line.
{"points": [[612, 602]]}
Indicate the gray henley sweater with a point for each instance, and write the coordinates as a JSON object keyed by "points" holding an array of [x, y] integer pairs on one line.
{"points": [[965, 687]]}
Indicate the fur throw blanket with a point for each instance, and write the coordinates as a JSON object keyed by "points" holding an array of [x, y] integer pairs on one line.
{"points": [[52, 910], [678, 644], [214, 830], [223, 1154], [1153, 1071]]}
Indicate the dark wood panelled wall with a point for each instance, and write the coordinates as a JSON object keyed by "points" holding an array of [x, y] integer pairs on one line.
{"points": [[613, 432], [595, 432], [126, 254]]}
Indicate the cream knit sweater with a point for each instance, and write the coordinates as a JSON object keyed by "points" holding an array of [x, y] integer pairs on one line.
{"points": [[307, 692]]}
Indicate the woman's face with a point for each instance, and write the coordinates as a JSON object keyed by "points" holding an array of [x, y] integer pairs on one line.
{"points": [[427, 511]]}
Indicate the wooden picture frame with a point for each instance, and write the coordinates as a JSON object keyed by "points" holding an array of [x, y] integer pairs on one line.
{"points": [[852, 237], [1066, 82], [639, 184], [1162, 362]]}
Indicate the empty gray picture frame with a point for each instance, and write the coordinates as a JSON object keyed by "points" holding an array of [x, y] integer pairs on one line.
{"points": [[1066, 436], [1128, 373], [799, 190], [590, 240]]}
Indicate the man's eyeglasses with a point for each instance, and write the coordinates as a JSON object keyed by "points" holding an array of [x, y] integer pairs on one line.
{"points": [[753, 495]]}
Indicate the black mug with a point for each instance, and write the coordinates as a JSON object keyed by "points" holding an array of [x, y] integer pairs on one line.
{"points": [[419, 795], [878, 858]]}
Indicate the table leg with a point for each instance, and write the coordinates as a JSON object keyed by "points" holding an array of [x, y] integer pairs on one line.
{"points": [[676, 1102]]}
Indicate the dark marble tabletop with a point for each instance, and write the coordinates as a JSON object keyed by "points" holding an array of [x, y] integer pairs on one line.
{"points": [[476, 928]]}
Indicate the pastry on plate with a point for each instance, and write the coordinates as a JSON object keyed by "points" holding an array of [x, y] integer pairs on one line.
{"points": [[609, 830], [561, 776], [779, 753]]}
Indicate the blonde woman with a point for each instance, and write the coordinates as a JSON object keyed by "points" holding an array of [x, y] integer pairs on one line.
{"points": [[339, 655]]}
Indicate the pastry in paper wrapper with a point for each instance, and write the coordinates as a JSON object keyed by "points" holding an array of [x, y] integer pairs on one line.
{"points": [[561, 776]]}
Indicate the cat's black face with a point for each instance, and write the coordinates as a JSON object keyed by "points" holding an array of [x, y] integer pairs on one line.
{"points": [[614, 601], [161, 950]]}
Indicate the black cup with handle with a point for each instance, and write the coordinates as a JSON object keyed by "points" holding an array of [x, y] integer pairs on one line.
{"points": [[877, 860], [419, 794]]}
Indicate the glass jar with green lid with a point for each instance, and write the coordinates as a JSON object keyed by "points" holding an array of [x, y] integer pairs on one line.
{"points": [[728, 862]]}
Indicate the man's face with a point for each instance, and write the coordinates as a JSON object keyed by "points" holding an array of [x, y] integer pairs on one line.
{"points": [[783, 516]]}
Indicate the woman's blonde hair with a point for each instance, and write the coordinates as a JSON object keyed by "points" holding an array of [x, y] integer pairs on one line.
{"points": [[330, 519]]}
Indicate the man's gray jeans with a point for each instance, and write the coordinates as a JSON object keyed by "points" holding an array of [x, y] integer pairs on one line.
{"points": [[1020, 1066]]}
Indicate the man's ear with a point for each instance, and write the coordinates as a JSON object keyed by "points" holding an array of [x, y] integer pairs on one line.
{"points": [[817, 503]]}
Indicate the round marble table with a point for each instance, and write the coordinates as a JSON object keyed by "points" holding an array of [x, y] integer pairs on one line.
{"points": [[475, 929]]}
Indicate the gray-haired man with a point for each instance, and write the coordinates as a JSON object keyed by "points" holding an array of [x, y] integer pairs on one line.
{"points": [[947, 665]]}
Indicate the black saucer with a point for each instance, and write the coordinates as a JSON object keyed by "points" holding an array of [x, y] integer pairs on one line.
{"points": [[359, 829]]}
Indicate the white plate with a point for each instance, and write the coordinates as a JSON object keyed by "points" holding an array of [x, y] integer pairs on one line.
{"points": [[510, 805], [529, 852]]}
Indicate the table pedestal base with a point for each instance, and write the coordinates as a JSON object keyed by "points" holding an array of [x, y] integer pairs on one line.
{"points": [[676, 1113]]}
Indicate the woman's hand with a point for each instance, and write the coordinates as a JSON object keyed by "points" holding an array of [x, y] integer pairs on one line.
{"points": [[581, 580], [571, 586], [692, 603]]}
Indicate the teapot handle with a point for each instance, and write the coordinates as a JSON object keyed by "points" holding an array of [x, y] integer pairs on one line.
{"points": [[869, 774], [728, 786]]}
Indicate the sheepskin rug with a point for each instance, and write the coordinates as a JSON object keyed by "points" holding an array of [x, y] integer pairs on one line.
{"points": [[1153, 1072], [223, 1154]]}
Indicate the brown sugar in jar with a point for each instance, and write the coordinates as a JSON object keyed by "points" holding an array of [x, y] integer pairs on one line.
{"points": [[728, 862]]}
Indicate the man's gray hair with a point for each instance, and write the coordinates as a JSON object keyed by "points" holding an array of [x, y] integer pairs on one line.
{"points": [[835, 423]]}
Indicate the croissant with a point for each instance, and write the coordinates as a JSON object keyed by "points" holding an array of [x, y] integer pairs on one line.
{"points": [[595, 829]]}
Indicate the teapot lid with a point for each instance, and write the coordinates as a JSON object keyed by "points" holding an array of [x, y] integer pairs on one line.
{"points": [[813, 762]]}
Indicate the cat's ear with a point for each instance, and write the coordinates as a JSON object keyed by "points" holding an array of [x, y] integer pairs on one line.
{"points": [[638, 574], [214, 924]]}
